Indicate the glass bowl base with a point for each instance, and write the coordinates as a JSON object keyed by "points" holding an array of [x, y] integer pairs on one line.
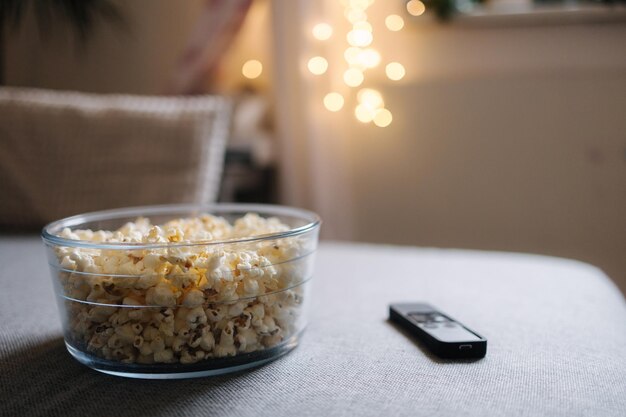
{"points": [[210, 367]]}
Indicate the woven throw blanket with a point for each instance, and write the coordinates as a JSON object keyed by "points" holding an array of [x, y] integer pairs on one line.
{"points": [[63, 153]]}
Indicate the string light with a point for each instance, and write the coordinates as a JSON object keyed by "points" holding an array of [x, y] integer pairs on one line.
{"points": [[355, 15], [394, 22], [364, 114], [370, 98], [360, 4], [351, 55], [361, 57], [395, 71], [415, 8], [382, 118], [322, 31], [333, 101], [252, 69], [353, 77], [364, 25], [359, 37], [368, 58], [317, 65]]}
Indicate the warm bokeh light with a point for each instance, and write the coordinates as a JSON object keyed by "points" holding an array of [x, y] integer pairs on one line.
{"points": [[364, 114], [360, 4], [252, 69], [317, 65], [360, 58], [355, 15], [363, 26], [382, 118], [359, 37], [333, 101], [370, 98], [322, 31], [394, 22], [415, 8], [351, 55], [353, 77], [368, 58], [395, 71]]}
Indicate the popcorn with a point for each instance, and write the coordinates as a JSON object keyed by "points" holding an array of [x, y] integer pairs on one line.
{"points": [[138, 341], [207, 342], [187, 358], [196, 316], [157, 344], [161, 295], [193, 298], [179, 303], [165, 355], [125, 333], [247, 339], [226, 346], [178, 344]]}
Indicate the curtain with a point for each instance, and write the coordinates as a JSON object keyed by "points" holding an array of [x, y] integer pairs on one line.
{"points": [[313, 151]]}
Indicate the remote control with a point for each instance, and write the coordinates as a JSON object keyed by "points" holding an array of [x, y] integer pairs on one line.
{"points": [[444, 336]]}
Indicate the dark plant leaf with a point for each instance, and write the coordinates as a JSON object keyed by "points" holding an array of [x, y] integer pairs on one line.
{"points": [[81, 14], [11, 12]]}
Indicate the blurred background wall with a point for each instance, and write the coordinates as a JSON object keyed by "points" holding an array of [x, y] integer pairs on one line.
{"points": [[506, 134], [136, 56]]}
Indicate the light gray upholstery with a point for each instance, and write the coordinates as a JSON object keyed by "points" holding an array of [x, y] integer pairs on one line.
{"points": [[556, 331]]}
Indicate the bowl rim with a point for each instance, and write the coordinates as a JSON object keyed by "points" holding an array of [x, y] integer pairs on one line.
{"points": [[49, 236]]}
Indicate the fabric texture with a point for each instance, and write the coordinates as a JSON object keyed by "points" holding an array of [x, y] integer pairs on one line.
{"points": [[555, 329], [64, 153]]}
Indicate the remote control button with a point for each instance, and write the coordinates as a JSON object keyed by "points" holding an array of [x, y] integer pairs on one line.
{"points": [[418, 317], [452, 325], [465, 347], [438, 318], [431, 326]]}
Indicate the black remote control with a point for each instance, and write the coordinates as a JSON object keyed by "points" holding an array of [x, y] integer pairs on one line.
{"points": [[444, 336]]}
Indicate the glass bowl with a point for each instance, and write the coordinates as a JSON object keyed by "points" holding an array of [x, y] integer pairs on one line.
{"points": [[176, 308]]}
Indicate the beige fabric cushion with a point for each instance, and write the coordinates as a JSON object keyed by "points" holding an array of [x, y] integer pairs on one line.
{"points": [[63, 153]]}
